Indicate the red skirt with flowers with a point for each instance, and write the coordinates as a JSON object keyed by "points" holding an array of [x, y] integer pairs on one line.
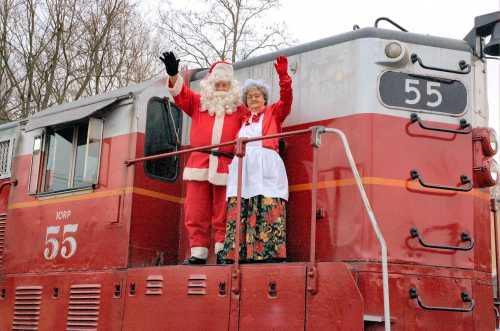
{"points": [[263, 229]]}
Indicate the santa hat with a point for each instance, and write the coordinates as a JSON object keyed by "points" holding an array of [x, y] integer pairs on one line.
{"points": [[221, 71]]}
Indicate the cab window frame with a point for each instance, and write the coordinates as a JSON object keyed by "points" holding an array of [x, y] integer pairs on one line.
{"points": [[87, 177], [172, 120]]}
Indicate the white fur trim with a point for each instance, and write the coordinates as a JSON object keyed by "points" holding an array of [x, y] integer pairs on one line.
{"points": [[218, 247], [174, 91], [195, 174], [219, 179], [217, 129], [213, 176], [213, 161], [199, 252]]}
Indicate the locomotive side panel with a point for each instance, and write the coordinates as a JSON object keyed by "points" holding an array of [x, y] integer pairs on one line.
{"points": [[74, 229], [339, 86], [157, 201]]}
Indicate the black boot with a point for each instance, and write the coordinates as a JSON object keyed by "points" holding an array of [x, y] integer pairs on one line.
{"points": [[194, 260], [222, 260]]}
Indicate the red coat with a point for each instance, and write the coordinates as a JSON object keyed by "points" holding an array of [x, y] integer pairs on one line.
{"points": [[275, 114], [206, 129]]}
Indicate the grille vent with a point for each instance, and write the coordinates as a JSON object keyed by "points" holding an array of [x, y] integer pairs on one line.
{"points": [[197, 285], [27, 308], [84, 304], [154, 285]]}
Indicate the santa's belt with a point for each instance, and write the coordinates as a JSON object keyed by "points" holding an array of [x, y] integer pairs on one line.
{"points": [[219, 153]]}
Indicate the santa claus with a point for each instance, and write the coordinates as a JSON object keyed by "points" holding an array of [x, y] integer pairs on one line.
{"points": [[216, 115]]}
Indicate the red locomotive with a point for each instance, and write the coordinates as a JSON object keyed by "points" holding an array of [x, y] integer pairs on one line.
{"points": [[390, 213]]}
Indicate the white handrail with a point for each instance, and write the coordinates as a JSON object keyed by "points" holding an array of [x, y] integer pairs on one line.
{"points": [[373, 221]]}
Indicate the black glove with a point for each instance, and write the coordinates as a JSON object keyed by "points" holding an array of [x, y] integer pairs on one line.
{"points": [[171, 63]]}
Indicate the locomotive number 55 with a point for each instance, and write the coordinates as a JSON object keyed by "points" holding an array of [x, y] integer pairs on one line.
{"points": [[63, 244]]}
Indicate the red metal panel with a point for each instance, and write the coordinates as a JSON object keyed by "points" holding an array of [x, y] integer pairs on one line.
{"points": [[6, 303], [434, 291], [484, 318], [59, 302], [442, 292], [338, 304], [482, 233], [99, 242], [178, 298], [272, 307], [154, 231], [370, 285], [399, 203]]}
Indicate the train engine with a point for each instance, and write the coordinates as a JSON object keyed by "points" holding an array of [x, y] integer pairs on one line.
{"points": [[391, 222]]}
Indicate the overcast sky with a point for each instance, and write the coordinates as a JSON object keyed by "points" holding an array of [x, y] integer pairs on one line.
{"points": [[315, 19]]}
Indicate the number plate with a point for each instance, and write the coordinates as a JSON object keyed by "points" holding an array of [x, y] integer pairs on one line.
{"points": [[402, 90]]}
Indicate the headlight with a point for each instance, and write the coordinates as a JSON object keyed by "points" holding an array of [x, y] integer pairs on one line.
{"points": [[393, 50], [487, 175], [494, 170], [493, 142], [488, 138]]}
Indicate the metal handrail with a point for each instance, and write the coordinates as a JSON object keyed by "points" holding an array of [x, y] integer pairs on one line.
{"points": [[316, 133], [374, 223]]}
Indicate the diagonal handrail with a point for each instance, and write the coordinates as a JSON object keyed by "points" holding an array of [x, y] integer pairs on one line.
{"points": [[374, 224], [316, 132]]}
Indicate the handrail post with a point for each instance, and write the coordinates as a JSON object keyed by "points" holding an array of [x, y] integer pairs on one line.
{"points": [[240, 153], [312, 274]]}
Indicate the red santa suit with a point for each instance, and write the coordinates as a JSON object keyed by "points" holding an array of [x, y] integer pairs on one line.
{"points": [[215, 118]]}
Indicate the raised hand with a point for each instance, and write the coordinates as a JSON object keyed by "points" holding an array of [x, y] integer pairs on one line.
{"points": [[281, 65], [171, 63]]}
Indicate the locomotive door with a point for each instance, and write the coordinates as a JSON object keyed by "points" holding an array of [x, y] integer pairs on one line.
{"points": [[178, 298], [272, 297]]}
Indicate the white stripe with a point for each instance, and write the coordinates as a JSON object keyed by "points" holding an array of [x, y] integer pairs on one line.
{"points": [[195, 174], [174, 91]]}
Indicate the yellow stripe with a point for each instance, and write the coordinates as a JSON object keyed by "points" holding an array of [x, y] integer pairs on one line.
{"points": [[383, 182], [293, 188], [158, 195], [75, 197], [95, 195]]}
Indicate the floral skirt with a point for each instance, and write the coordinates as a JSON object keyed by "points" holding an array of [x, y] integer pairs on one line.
{"points": [[263, 229]]}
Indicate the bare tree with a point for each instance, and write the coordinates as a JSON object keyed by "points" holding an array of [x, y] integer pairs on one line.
{"points": [[52, 51], [222, 30]]}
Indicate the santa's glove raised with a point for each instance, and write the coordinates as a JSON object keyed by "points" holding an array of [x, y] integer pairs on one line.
{"points": [[171, 63], [281, 66]]}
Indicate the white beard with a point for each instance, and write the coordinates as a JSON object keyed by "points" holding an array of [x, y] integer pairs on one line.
{"points": [[219, 103]]}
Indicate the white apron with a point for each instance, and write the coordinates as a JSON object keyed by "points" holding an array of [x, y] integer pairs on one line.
{"points": [[263, 169]]}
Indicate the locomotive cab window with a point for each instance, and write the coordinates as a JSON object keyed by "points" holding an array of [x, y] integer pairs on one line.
{"points": [[66, 158], [163, 127], [6, 149]]}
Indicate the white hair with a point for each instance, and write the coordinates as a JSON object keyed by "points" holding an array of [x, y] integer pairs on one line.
{"points": [[219, 102], [258, 84]]}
